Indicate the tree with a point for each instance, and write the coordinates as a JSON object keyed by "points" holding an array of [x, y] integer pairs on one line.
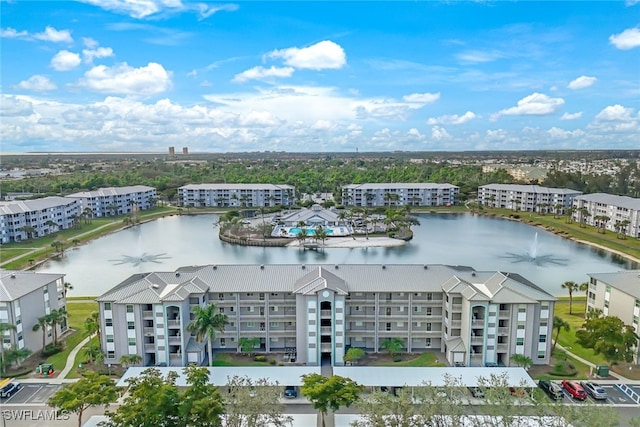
{"points": [[90, 390], [42, 324], [584, 287], [207, 321], [248, 344], [353, 355], [16, 355], [200, 404], [4, 328], [251, 403], [93, 352], [321, 234], [609, 336], [521, 360], [29, 230], [92, 325], [559, 324], [333, 392], [384, 409], [571, 287], [393, 345], [601, 222], [130, 360], [56, 318], [151, 401]]}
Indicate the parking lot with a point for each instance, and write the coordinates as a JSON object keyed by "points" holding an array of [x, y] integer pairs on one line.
{"points": [[32, 394], [615, 396]]}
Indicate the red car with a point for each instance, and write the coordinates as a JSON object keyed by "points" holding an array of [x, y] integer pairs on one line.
{"points": [[574, 389]]}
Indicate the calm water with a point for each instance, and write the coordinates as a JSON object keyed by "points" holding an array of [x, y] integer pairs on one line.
{"points": [[457, 239]]}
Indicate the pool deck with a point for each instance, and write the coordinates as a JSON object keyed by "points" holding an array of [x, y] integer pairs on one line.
{"points": [[357, 242]]}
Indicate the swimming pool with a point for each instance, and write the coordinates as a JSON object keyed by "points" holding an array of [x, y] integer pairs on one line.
{"points": [[310, 231]]}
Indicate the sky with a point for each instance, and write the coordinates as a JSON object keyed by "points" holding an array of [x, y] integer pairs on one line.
{"points": [[302, 76]]}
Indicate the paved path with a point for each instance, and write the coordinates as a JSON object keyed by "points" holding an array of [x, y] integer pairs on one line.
{"points": [[71, 359], [586, 362]]}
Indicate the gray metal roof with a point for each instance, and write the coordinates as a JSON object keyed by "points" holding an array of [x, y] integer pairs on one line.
{"points": [[301, 278], [627, 281], [14, 284], [113, 191], [530, 189], [219, 375], [611, 199], [415, 377], [236, 187], [400, 185], [21, 206], [306, 214]]}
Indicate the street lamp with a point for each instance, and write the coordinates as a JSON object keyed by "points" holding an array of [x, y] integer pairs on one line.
{"points": [[109, 366]]}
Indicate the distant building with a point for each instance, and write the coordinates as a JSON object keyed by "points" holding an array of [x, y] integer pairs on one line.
{"points": [[172, 151], [116, 200], [27, 219], [185, 150], [24, 297], [616, 294], [317, 312], [529, 198], [623, 212], [399, 194], [236, 195]]}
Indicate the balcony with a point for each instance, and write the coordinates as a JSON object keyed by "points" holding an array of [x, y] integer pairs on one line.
{"points": [[175, 340], [325, 330], [502, 347], [477, 340], [456, 307], [148, 332], [326, 347], [147, 314], [504, 313], [325, 314], [477, 323], [503, 330], [173, 323], [149, 347]]}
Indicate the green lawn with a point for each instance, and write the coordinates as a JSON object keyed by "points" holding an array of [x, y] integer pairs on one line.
{"points": [[78, 312], [226, 359], [540, 373], [424, 359], [575, 320]]}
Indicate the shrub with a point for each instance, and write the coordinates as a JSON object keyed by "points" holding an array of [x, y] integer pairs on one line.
{"points": [[51, 349], [260, 358], [272, 361], [397, 358]]}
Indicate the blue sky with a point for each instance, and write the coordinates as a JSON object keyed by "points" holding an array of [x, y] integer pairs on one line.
{"points": [[142, 75]]}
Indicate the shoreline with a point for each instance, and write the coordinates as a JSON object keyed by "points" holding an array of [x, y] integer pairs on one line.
{"points": [[353, 242]]}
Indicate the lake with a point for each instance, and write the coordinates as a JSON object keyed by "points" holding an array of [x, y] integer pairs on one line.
{"points": [[484, 243]]}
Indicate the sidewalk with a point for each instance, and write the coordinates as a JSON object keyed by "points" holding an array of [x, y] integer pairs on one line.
{"points": [[586, 362]]}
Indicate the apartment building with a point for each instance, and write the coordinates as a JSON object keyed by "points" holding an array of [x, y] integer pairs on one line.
{"points": [[27, 219], [236, 195], [317, 312], [623, 212], [400, 194], [529, 198], [114, 201], [26, 296], [616, 294]]}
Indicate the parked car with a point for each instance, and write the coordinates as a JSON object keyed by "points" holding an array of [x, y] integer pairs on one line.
{"points": [[594, 390], [476, 392], [574, 389], [290, 392], [9, 390], [552, 389]]}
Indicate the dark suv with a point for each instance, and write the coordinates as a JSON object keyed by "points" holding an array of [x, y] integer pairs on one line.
{"points": [[9, 390], [552, 389]]}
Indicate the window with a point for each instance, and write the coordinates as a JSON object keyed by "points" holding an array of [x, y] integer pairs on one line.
{"points": [[388, 311], [541, 355], [429, 296], [274, 324], [417, 309], [388, 326], [108, 322], [606, 303], [129, 308], [519, 341], [111, 354], [608, 288], [109, 338], [251, 324], [638, 303], [220, 296], [261, 296], [520, 325], [635, 320], [428, 311], [132, 342], [107, 306], [221, 309], [428, 342], [274, 308], [522, 308], [543, 338], [131, 325], [428, 326], [231, 308]]}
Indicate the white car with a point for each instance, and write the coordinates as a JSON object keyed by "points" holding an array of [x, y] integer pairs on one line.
{"points": [[594, 390]]}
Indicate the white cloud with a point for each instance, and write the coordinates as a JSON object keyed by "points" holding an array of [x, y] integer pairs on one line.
{"points": [[422, 98], [558, 133], [123, 79], [37, 83], [99, 52], [257, 73], [628, 39], [477, 56], [90, 43], [452, 119], [12, 106], [323, 55], [571, 116], [582, 82], [536, 104], [615, 112], [65, 60], [49, 34], [146, 8], [438, 133]]}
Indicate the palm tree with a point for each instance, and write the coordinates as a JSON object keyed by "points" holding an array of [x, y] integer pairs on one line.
{"points": [[42, 324], [92, 352], [321, 234], [130, 360], [557, 208], [559, 324], [207, 321], [28, 230], [601, 221], [16, 355], [392, 345], [4, 328], [584, 287], [67, 286], [92, 326], [56, 318], [571, 287]]}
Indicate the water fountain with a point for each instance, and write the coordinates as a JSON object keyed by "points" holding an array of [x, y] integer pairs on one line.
{"points": [[532, 256]]}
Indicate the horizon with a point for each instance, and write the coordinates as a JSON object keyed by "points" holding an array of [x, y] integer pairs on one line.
{"points": [[368, 77]]}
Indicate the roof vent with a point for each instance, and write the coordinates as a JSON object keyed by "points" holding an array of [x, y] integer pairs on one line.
{"points": [[155, 286], [336, 267], [426, 266], [215, 267], [384, 266], [262, 267]]}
